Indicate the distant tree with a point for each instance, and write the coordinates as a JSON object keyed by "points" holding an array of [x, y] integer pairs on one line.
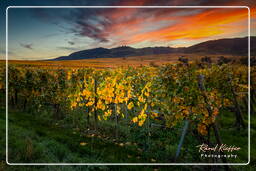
{"points": [[253, 61], [183, 60], [244, 61], [206, 59], [198, 63], [222, 60]]}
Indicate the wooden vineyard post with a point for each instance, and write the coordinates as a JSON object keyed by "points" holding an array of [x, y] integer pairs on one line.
{"points": [[88, 116], [184, 131], [116, 122], [239, 117], [126, 119], [16, 96], [253, 101], [148, 132], [126, 113], [186, 123], [95, 104], [245, 104], [115, 112], [213, 125], [25, 104]]}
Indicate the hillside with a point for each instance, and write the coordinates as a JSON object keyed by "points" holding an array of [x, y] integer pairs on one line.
{"points": [[123, 51], [233, 46]]}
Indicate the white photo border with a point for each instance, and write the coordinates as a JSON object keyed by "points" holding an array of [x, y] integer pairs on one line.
{"points": [[153, 164]]}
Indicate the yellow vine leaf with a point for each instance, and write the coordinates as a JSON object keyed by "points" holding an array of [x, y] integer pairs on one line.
{"points": [[135, 119], [201, 128], [83, 143]]}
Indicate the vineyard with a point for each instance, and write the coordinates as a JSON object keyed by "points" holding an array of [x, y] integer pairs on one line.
{"points": [[160, 112]]}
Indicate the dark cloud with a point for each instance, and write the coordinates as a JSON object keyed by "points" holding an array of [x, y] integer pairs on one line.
{"points": [[101, 24], [89, 22], [81, 21], [71, 43], [28, 46], [113, 25], [96, 23]]}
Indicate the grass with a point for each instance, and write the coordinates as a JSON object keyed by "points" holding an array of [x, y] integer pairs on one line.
{"points": [[68, 142], [32, 139]]}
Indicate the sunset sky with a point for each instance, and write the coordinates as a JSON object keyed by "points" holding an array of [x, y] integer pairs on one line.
{"points": [[45, 33]]}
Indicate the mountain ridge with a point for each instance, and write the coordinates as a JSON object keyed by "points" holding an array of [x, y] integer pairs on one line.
{"points": [[227, 46]]}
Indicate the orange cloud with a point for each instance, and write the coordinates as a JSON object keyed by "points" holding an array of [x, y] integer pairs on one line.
{"points": [[210, 23], [129, 26]]}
